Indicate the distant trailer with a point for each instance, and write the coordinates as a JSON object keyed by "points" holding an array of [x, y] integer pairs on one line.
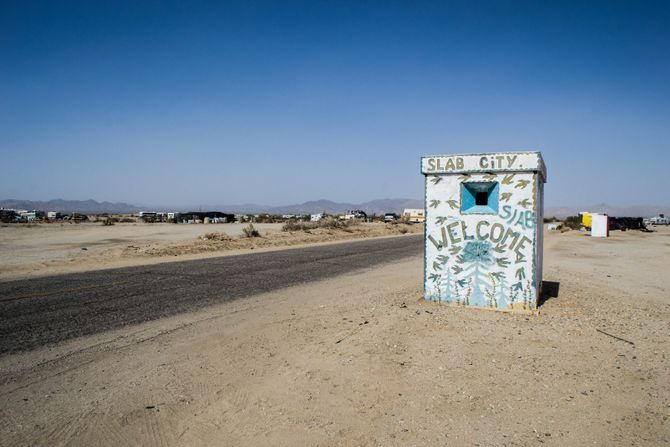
{"points": [[415, 215]]}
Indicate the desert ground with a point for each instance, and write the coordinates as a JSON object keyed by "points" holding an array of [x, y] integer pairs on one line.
{"points": [[360, 359], [53, 248]]}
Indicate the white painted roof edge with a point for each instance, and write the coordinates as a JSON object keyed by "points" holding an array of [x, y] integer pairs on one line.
{"points": [[541, 164]]}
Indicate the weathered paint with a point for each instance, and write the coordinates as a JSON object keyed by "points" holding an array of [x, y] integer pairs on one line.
{"points": [[486, 254]]}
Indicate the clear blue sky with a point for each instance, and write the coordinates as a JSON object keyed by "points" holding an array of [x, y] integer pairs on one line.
{"points": [[185, 103]]}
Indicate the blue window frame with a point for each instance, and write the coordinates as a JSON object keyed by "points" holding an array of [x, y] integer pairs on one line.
{"points": [[479, 198]]}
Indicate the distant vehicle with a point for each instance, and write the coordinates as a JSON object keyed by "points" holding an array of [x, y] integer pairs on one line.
{"points": [[355, 214], [627, 223], [390, 217], [78, 217], [414, 215], [660, 220]]}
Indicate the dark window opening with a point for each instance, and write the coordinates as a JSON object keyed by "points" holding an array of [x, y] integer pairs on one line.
{"points": [[482, 198]]}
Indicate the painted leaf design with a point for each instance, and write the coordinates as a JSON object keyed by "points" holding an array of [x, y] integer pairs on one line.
{"points": [[525, 203], [435, 180], [490, 176], [434, 203], [498, 275], [440, 219], [520, 257], [502, 262], [460, 259], [464, 177], [507, 180], [452, 204], [454, 249], [504, 197], [461, 282], [499, 249], [433, 277], [521, 184], [520, 273], [517, 286], [443, 259], [437, 265]]}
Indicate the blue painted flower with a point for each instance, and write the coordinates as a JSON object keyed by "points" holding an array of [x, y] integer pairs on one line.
{"points": [[478, 251]]}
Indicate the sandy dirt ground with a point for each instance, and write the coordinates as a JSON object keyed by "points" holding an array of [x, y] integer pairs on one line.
{"points": [[48, 249], [361, 360]]}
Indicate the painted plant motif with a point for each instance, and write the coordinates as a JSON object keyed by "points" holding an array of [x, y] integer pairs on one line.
{"points": [[475, 258], [479, 252]]}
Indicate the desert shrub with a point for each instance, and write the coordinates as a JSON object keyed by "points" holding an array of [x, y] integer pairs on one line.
{"points": [[107, 222], [293, 225], [403, 230], [250, 231], [331, 222], [573, 222], [127, 220], [216, 237], [327, 222]]}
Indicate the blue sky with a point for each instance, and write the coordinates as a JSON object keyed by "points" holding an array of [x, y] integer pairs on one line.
{"points": [[186, 103]]}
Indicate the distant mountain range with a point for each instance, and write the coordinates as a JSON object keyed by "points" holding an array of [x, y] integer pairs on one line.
{"points": [[316, 206], [380, 206], [82, 206]]}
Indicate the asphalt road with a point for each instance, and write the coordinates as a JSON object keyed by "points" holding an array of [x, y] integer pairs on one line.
{"points": [[43, 311]]}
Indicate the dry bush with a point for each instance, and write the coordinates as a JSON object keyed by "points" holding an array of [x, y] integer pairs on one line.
{"points": [[573, 222], [107, 222], [216, 237], [294, 225], [250, 231], [327, 222]]}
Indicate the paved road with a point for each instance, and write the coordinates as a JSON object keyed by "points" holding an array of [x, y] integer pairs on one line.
{"points": [[37, 312]]}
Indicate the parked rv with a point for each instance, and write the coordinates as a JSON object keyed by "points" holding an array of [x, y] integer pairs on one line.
{"points": [[414, 215], [661, 219]]}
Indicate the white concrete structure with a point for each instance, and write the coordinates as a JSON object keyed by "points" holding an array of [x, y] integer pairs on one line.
{"points": [[483, 238], [599, 225]]}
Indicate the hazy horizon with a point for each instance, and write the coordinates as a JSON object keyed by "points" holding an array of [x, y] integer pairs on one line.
{"points": [[276, 103]]}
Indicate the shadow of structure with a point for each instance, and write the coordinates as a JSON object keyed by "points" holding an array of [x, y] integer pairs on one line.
{"points": [[550, 290]]}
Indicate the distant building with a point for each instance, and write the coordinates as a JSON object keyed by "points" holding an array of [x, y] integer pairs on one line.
{"points": [[212, 216], [316, 217], [355, 214], [54, 215], [32, 215]]}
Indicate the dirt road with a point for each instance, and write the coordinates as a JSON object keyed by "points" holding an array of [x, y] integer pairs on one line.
{"points": [[360, 360]]}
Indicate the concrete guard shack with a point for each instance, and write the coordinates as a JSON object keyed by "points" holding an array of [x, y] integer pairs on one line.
{"points": [[483, 234]]}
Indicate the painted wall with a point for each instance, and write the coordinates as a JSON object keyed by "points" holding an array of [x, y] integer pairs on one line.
{"points": [[481, 256]]}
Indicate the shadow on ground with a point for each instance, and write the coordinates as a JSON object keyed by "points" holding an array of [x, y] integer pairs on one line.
{"points": [[550, 290]]}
